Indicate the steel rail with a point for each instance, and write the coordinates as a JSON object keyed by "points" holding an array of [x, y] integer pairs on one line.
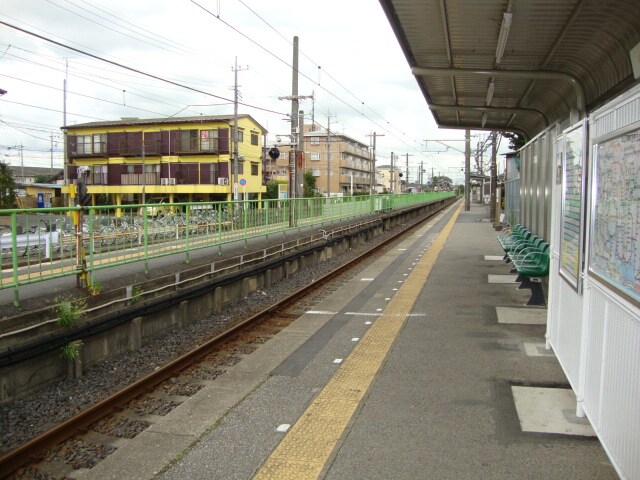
{"points": [[33, 450]]}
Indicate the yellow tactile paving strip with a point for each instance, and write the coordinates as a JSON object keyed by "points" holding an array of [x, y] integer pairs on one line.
{"points": [[304, 451]]}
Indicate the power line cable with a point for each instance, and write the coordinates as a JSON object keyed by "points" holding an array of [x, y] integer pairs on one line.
{"points": [[301, 73], [324, 71], [49, 40], [25, 133], [52, 110]]}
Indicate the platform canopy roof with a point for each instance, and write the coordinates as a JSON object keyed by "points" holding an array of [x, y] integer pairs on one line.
{"points": [[516, 65]]}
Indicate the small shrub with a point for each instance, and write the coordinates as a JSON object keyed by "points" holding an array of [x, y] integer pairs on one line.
{"points": [[69, 311], [70, 352], [96, 288], [136, 293]]}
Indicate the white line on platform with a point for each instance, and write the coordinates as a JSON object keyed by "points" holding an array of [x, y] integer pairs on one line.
{"points": [[355, 339], [367, 279], [283, 428], [368, 322], [402, 249], [320, 312], [493, 258], [337, 360]]}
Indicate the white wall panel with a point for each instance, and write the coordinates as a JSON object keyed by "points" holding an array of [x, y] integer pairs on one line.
{"points": [[612, 380]]}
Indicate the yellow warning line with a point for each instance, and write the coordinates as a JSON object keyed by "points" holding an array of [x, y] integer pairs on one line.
{"points": [[304, 451]]}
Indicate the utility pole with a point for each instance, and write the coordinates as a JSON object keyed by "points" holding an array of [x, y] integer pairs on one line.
{"points": [[65, 157], [406, 180], [393, 187], [144, 173], [51, 155], [328, 154], [21, 162], [294, 124], [494, 177], [300, 171], [421, 174], [374, 135], [235, 129], [467, 170], [297, 125]]}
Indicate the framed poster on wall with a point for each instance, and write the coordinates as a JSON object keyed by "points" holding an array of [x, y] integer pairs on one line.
{"points": [[572, 217], [614, 253]]}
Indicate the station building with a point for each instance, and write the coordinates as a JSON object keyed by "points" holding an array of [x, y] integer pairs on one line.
{"points": [[181, 158]]}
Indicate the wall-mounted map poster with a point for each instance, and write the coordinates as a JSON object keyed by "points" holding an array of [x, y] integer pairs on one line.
{"points": [[615, 238], [572, 191]]}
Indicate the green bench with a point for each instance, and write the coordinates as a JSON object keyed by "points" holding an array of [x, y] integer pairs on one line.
{"points": [[529, 256]]}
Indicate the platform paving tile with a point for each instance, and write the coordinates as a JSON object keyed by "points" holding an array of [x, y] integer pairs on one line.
{"points": [[538, 350], [522, 315], [507, 279], [549, 410]]}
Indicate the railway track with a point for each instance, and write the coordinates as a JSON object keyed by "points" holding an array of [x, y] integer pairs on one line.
{"points": [[79, 441]]}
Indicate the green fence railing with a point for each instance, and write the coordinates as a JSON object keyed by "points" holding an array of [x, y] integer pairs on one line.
{"points": [[45, 243]]}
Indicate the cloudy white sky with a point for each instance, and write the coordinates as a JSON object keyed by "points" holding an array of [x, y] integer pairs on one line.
{"points": [[349, 60]]}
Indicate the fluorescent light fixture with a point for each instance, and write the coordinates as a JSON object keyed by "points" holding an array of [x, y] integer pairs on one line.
{"points": [[484, 119], [492, 85], [504, 34]]}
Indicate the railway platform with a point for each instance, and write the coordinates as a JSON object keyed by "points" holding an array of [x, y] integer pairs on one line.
{"points": [[426, 364]]}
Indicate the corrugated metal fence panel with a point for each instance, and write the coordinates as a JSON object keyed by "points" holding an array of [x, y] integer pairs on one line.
{"points": [[611, 395], [512, 201], [537, 176]]}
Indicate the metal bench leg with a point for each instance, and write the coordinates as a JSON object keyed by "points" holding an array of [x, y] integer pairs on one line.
{"points": [[537, 295]]}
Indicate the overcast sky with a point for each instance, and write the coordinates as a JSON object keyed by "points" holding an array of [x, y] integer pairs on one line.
{"points": [[349, 60]]}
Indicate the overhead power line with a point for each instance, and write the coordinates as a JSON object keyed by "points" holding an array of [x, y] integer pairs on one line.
{"points": [[150, 75], [262, 47]]}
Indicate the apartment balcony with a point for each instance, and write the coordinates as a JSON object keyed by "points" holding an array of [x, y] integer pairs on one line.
{"points": [[140, 179]]}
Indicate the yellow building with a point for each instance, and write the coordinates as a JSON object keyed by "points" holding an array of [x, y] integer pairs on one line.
{"points": [[182, 159]]}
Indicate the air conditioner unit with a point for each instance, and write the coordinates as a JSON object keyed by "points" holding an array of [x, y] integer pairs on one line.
{"points": [[223, 181], [167, 181]]}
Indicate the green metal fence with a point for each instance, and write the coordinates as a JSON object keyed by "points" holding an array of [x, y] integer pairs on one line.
{"points": [[40, 244]]}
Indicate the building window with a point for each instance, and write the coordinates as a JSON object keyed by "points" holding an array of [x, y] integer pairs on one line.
{"points": [[254, 139], [240, 167], [188, 140], [254, 169], [316, 172], [315, 140], [209, 140], [315, 156], [83, 144], [99, 175], [240, 136], [100, 143]]}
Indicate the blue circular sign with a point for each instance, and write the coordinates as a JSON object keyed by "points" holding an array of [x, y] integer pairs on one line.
{"points": [[243, 182]]}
